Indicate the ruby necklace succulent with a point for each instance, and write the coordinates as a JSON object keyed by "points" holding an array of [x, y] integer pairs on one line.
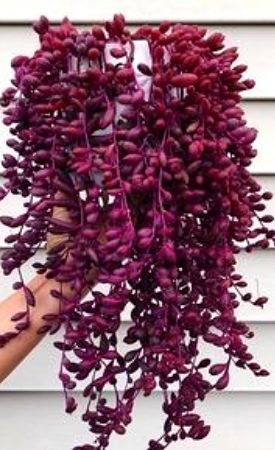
{"points": [[145, 128]]}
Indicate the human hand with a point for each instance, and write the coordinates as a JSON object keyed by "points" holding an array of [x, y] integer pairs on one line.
{"points": [[62, 213]]}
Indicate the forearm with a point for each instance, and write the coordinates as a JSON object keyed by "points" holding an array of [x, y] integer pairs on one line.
{"points": [[18, 348]]}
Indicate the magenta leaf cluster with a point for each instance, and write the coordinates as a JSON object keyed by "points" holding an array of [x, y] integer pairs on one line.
{"points": [[169, 169]]}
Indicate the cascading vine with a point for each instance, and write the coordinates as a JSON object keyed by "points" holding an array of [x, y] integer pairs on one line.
{"points": [[159, 148]]}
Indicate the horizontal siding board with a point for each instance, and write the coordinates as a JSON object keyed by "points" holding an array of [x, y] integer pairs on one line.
{"points": [[153, 11], [13, 205], [261, 115], [257, 270], [39, 371], [258, 114], [254, 44], [239, 421]]}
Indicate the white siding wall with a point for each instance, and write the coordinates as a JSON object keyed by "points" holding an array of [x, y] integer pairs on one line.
{"points": [[242, 417]]}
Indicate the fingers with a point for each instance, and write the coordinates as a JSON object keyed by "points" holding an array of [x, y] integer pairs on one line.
{"points": [[59, 212]]}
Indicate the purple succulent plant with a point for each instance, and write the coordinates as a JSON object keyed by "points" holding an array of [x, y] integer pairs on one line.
{"points": [[162, 148]]}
